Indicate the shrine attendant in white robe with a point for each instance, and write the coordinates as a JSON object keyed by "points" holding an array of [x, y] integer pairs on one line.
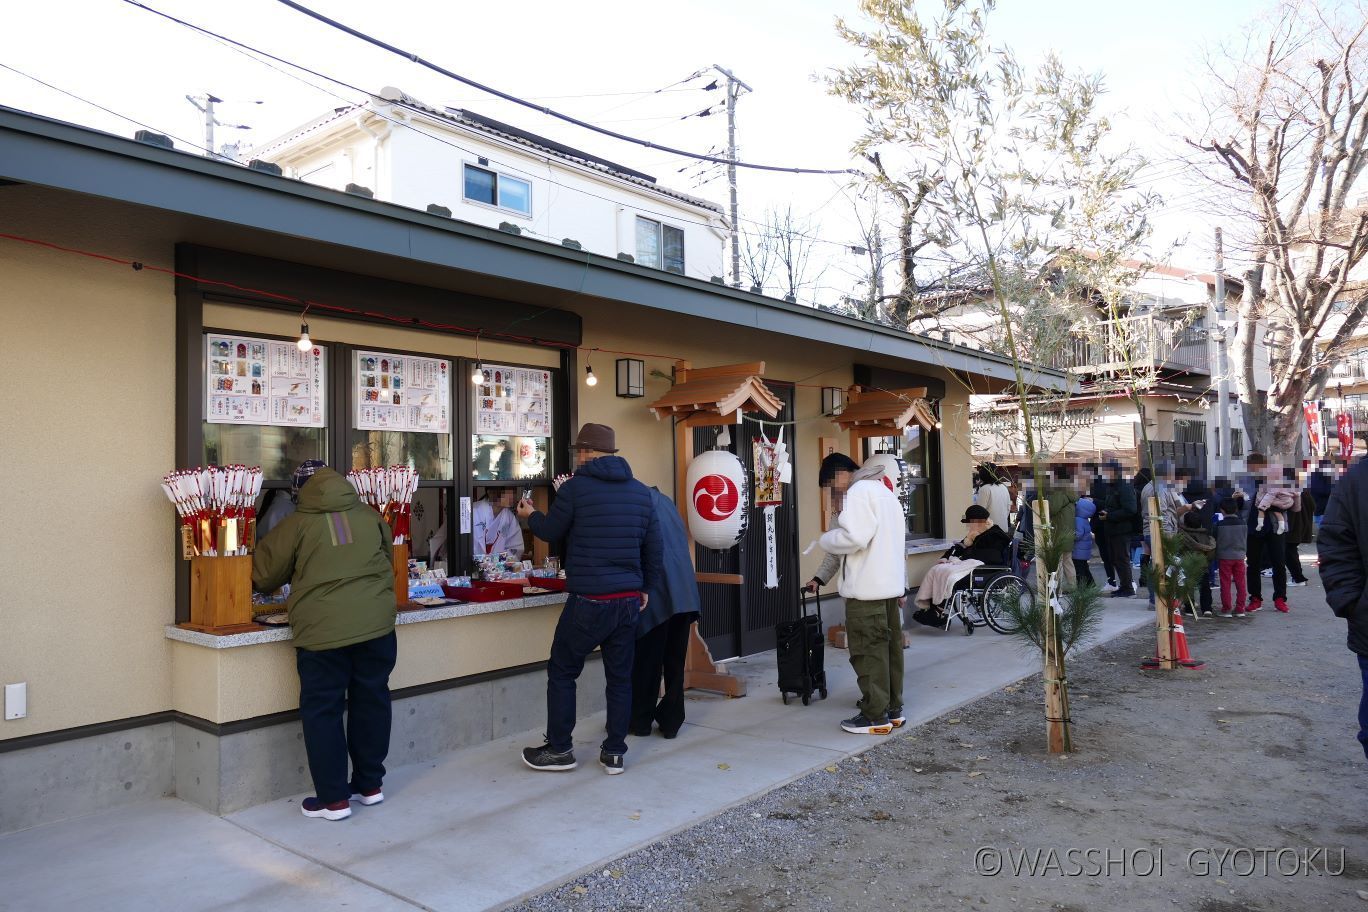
{"points": [[494, 524]]}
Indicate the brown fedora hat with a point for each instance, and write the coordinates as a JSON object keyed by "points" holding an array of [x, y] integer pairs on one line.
{"points": [[597, 437]]}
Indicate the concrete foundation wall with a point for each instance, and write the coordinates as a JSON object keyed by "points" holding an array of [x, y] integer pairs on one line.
{"points": [[228, 772]]}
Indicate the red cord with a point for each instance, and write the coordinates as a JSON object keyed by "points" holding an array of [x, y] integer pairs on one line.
{"points": [[336, 308]]}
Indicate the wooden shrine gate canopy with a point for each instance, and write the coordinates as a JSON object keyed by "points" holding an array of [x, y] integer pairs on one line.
{"points": [[883, 413], [716, 395], [710, 397]]}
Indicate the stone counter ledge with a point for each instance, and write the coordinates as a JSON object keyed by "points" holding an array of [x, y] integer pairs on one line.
{"points": [[439, 613]]}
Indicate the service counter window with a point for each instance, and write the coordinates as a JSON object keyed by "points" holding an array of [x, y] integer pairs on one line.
{"points": [[400, 405], [511, 455], [265, 403]]}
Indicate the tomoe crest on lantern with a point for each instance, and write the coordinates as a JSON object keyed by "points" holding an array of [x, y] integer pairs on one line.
{"points": [[716, 486]]}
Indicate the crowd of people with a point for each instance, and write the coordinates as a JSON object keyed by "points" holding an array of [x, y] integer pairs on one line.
{"points": [[632, 592], [1250, 528]]}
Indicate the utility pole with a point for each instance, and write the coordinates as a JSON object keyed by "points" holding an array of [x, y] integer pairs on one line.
{"points": [[734, 87], [205, 105], [1222, 363]]}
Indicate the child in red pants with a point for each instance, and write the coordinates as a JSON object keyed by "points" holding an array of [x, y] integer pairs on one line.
{"points": [[1232, 538]]}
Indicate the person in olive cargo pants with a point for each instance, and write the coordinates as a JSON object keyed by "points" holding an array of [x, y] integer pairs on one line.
{"points": [[334, 551]]}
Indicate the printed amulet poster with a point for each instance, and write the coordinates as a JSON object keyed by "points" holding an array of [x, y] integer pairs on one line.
{"points": [[262, 381], [513, 401], [402, 393]]}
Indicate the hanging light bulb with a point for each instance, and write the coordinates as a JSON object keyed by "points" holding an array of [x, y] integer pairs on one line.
{"points": [[304, 343], [590, 379], [477, 375]]}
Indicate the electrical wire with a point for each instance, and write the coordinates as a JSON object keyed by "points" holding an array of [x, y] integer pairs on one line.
{"points": [[108, 111], [542, 109], [249, 50]]}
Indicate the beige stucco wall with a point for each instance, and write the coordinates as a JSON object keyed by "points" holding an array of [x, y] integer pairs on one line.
{"points": [[87, 558], [86, 547]]}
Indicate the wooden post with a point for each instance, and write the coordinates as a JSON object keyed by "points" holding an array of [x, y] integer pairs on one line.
{"points": [[1163, 608], [1058, 727], [700, 671], [399, 558]]}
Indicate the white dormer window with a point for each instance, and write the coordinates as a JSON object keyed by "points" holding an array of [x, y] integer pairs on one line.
{"points": [[490, 188], [659, 246]]}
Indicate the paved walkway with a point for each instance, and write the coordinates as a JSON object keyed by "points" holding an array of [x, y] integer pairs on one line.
{"points": [[475, 829]]}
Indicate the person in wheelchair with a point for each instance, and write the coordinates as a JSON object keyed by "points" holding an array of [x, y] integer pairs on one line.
{"points": [[984, 544]]}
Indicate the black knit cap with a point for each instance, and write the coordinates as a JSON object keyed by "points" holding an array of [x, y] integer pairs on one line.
{"points": [[836, 462]]}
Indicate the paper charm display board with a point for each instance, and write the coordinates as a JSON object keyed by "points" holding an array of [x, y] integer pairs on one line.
{"points": [[263, 381], [513, 401], [402, 393]]}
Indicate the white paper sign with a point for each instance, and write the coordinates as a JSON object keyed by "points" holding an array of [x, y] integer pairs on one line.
{"points": [[465, 515], [401, 393], [513, 401], [771, 551], [261, 381]]}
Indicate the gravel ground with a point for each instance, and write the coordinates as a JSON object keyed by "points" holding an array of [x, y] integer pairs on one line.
{"points": [[1178, 781]]}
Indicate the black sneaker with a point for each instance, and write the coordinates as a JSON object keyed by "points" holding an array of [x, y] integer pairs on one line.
{"points": [[611, 763], [860, 725], [544, 758], [896, 718]]}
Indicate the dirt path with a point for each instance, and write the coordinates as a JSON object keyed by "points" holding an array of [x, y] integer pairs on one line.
{"points": [[1181, 783]]}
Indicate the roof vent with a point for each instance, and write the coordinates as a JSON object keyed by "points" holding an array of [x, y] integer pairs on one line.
{"points": [[626, 258], [790, 298], [717, 280], [154, 139], [435, 209], [266, 167], [757, 289], [358, 190], [509, 228], [571, 243]]}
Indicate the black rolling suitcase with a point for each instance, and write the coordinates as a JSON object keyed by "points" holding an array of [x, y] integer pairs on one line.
{"points": [[800, 648]]}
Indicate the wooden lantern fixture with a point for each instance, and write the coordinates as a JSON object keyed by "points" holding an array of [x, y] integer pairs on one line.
{"points": [[710, 397]]}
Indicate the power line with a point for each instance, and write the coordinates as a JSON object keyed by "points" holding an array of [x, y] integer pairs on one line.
{"points": [[414, 58], [249, 51], [101, 107]]}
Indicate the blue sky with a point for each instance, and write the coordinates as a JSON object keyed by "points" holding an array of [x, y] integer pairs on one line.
{"points": [[129, 61]]}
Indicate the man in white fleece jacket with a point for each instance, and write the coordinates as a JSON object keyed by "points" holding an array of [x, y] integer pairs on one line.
{"points": [[869, 539]]}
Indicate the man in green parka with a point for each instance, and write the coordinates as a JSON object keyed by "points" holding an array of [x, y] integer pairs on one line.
{"points": [[334, 551]]}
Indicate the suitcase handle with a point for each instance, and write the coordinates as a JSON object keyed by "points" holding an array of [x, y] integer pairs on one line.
{"points": [[816, 597]]}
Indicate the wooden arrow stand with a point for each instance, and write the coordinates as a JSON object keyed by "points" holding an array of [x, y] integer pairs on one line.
{"points": [[710, 397]]}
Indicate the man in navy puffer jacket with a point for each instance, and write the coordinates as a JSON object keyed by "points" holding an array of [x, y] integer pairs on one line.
{"points": [[614, 556]]}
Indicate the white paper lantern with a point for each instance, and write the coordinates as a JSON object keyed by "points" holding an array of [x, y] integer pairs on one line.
{"points": [[898, 473], [716, 485]]}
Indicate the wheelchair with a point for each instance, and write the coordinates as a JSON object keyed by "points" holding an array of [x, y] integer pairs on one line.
{"points": [[979, 599]]}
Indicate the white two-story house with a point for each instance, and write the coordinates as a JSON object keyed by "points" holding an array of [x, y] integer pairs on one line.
{"points": [[470, 167]]}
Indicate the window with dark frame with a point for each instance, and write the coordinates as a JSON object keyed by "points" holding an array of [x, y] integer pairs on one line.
{"points": [[921, 451], [659, 246], [490, 188]]}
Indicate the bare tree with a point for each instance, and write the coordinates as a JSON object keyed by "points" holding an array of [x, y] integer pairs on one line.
{"points": [[779, 254], [1291, 129]]}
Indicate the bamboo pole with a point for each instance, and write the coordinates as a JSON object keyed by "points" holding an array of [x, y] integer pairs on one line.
{"points": [[1058, 727], [1163, 605]]}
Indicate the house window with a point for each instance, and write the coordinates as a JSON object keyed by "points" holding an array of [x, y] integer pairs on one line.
{"points": [[1189, 431], [921, 451], [1236, 443], [499, 190], [659, 246]]}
